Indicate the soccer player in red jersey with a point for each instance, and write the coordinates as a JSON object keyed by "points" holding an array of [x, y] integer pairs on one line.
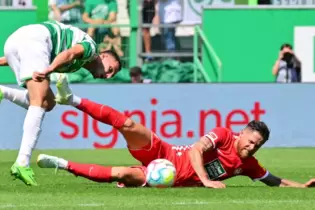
{"points": [[217, 156]]}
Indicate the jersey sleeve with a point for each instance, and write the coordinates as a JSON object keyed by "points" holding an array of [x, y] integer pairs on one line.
{"points": [[255, 170], [89, 48], [218, 137]]}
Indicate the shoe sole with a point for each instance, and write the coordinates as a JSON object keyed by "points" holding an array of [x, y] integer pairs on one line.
{"points": [[41, 158]]}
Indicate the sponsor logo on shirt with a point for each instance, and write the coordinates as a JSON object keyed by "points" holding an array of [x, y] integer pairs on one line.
{"points": [[215, 169]]}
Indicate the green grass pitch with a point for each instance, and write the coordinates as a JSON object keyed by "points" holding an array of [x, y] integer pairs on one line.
{"points": [[64, 191]]}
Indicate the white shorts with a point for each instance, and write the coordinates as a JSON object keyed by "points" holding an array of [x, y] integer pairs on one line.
{"points": [[28, 50]]}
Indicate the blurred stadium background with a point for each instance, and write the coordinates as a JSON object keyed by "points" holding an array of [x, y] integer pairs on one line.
{"points": [[211, 45]]}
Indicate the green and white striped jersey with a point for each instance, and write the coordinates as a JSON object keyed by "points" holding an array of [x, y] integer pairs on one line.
{"points": [[64, 37]]}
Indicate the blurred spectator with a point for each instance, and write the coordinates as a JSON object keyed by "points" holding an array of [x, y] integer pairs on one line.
{"points": [[264, 2], [104, 47], [136, 75], [109, 44], [22, 3], [65, 11], [287, 67], [103, 12], [114, 42], [148, 13], [170, 12]]}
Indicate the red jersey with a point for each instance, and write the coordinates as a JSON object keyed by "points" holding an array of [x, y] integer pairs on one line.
{"points": [[220, 163]]}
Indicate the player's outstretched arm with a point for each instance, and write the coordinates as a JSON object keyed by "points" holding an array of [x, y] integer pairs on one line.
{"points": [[275, 181], [196, 159], [3, 61], [66, 56], [61, 59]]}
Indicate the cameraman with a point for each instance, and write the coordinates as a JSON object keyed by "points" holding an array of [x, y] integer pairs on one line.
{"points": [[287, 68]]}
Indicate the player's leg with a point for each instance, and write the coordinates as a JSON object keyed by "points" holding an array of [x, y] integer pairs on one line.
{"points": [[16, 96], [34, 55], [19, 97], [136, 135], [129, 176], [142, 143], [40, 102]]}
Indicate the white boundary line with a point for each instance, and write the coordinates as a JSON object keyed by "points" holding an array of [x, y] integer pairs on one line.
{"points": [[8, 206]]}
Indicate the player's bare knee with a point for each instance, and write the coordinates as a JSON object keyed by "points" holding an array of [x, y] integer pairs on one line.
{"points": [[40, 94], [49, 105], [122, 174], [129, 124], [50, 99]]}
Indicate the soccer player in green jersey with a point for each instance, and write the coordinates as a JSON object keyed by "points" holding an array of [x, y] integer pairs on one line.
{"points": [[34, 52]]}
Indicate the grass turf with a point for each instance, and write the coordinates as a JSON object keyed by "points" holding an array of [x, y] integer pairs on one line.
{"points": [[64, 191]]}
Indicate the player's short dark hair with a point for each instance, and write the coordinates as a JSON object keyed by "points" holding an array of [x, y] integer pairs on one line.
{"points": [[260, 127], [115, 56], [135, 71]]}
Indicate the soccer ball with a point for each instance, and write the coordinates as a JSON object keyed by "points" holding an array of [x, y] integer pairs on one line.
{"points": [[160, 173]]}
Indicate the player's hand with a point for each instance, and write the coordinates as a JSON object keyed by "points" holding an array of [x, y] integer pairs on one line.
{"points": [[213, 184], [98, 21], [310, 183], [40, 76], [3, 61]]}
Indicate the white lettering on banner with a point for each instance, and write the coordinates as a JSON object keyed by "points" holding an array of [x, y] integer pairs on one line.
{"points": [[304, 49], [167, 123], [178, 113]]}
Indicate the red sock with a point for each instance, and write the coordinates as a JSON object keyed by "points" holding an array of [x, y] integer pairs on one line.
{"points": [[103, 113], [92, 172]]}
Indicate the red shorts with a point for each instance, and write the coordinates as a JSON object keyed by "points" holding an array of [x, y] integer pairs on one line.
{"points": [[178, 155]]}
